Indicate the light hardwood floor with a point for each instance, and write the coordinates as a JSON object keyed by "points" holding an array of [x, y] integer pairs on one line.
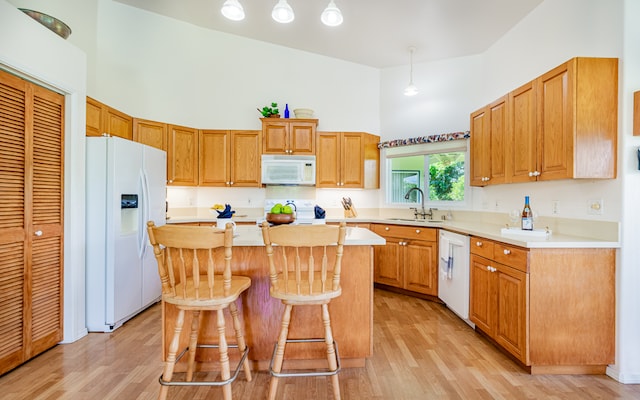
{"points": [[421, 351]]}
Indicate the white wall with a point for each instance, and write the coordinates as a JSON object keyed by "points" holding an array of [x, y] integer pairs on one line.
{"points": [[627, 368], [448, 92], [167, 70], [56, 63]]}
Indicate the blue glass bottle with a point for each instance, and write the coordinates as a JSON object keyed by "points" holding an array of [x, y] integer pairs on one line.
{"points": [[286, 110]]}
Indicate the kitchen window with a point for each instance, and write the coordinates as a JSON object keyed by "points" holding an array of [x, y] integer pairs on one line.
{"points": [[438, 169]]}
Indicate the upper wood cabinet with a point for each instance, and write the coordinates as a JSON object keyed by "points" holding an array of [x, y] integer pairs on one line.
{"points": [[151, 133], [182, 156], [289, 136], [347, 159], [521, 146], [488, 139], [101, 119], [577, 126], [230, 158], [561, 125]]}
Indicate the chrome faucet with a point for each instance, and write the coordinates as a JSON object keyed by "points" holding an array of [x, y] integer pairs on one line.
{"points": [[415, 210], [422, 212]]}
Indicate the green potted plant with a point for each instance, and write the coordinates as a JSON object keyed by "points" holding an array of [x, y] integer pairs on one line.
{"points": [[270, 112]]}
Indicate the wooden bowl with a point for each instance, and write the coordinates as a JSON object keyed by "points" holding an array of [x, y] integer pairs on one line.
{"points": [[279, 219]]}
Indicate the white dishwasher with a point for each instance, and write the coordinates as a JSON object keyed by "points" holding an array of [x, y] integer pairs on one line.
{"points": [[453, 260]]}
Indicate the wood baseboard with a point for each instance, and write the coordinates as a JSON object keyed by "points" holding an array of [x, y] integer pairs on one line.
{"points": [[568, 369]]}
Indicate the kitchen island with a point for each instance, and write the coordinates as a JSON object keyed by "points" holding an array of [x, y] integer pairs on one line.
{"points": [[351, 313]]}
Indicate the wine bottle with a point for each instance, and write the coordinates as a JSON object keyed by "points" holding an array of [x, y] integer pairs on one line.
{"points": [[286, 110], [527, 215]]}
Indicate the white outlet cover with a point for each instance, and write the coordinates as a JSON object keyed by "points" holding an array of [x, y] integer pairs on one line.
{"points": [[595, 207]]}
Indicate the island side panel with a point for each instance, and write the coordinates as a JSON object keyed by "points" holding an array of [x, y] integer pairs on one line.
{"points": [[572, 310], [351, 313]]}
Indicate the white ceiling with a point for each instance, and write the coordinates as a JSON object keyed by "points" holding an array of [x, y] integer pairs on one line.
{"points": [[376, 33]]}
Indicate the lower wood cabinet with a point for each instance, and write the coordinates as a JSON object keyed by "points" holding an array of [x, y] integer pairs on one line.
{"points": [[552, 309], [498, 298], [409, 260]]}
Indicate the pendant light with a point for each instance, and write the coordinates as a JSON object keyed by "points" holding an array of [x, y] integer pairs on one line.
{"points": [[411, 90], [232, 9], [331, 16], [282, 12]]}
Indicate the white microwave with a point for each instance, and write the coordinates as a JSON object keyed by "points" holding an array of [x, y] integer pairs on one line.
{"points": [[288, 170]]}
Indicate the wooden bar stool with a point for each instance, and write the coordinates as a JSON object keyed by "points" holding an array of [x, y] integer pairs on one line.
{"points": [[303, 272], [191, 282]]}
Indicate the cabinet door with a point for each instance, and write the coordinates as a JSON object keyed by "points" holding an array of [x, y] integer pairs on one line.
{"points": [[352, 160], [482, 294], [93, 118], [118, 123], [555, 123], [388, 263], [275, 137], [479, 144], [328, 163], [420, 267], [302, 137], [182, 156], [245, 158], [521, 143], [101, 119], [151, 133], [511, 329], [498, 125], [214, 152]]}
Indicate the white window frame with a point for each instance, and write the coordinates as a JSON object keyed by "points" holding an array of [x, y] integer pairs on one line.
{"points": [[422, 150]]}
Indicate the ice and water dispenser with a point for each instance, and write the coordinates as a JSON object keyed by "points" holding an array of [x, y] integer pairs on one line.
{"points": [[129, 213]]}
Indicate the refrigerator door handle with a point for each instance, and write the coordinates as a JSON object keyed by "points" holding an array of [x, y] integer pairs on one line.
{"points": [[142, 236]]}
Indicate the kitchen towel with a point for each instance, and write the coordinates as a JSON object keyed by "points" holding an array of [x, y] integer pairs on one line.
{"points": [[319, 212], [446, 252], [226, 213]]}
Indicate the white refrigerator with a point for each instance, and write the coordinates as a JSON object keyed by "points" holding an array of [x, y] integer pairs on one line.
{"points": [[125, 188]]}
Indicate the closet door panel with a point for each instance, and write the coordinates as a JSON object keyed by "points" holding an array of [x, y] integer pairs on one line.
{"points": [[13, 142], [47, 219]]}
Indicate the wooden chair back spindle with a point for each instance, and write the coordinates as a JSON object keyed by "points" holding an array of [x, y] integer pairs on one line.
{"points": [[304, 260], [186, 257]]}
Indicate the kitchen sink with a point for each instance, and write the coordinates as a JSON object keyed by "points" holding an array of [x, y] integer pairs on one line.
{"points": [[425, 221]]}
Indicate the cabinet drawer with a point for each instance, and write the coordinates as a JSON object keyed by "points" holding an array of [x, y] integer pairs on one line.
{"points": [[481, 246], [515, 257], [405, 232]]}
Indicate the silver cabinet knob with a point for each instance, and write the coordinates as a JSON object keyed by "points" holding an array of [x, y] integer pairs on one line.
{"points": [[417, 230], [479, 244], [38, 233], [507, 252]]}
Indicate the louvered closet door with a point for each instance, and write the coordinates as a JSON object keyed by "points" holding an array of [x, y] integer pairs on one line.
{"points": [[13, 262], [31, 132], [45, 236]]}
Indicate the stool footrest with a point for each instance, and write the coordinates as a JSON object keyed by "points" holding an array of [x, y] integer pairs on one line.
{"points": [[299, 374], [208, 383]]}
